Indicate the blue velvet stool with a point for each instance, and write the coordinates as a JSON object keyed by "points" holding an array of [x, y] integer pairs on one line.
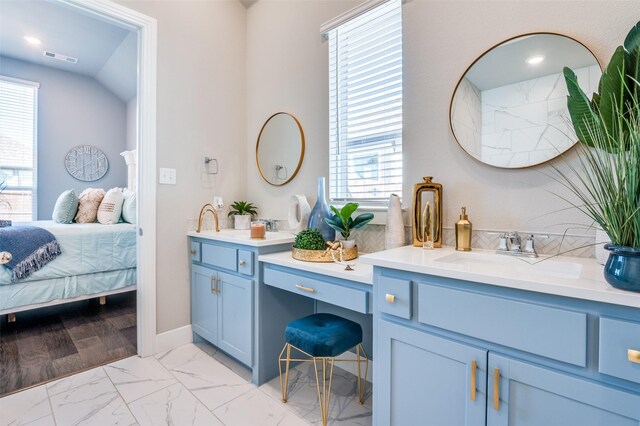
{"points": [[322, 337]]}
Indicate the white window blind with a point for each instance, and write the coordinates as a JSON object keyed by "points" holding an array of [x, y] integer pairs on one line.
{"points": [[18, 109], [365, 106]]}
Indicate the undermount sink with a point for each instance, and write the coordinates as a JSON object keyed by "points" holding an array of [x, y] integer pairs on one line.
{"points": [[512, 265]]}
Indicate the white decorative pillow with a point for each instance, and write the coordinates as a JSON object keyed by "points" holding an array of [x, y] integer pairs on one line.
{"points": [[129, 206], [88, 204], [111, 207]]}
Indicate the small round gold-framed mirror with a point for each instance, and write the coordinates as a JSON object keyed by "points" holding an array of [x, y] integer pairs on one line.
{"points": [[509, 108], [280, 148]]}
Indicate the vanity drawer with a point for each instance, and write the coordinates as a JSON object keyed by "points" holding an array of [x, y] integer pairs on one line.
{"points": [[245, 262], [394, 296], [219, 256], [347, 297], [620, 349], [512, 323], [195, 251]]}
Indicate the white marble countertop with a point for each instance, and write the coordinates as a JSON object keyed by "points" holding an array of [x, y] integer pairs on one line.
{"points": [[564, 276], [361, 273], [244, 237]]}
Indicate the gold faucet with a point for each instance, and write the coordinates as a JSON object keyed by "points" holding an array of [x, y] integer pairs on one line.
{"points": [[208, 208]]}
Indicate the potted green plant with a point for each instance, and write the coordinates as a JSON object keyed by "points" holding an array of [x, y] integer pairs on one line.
{"points": [[606, 177], [242, 213], [343, 223]]}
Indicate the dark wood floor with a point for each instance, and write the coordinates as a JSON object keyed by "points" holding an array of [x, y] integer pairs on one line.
{"points": [[56, 341]]}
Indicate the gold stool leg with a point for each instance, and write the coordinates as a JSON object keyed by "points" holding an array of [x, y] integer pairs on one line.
{"points": [[284, 385], [324, 390], [362, 382]]}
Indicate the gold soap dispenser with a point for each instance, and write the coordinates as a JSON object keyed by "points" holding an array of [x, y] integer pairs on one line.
{"points": [[463, 232]]}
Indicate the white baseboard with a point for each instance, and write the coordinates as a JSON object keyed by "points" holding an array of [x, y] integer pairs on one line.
{"points": [[352, 367], [173, 338]]}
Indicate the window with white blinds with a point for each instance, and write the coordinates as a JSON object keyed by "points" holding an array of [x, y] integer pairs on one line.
{"points": [[18, 109], [365, 106]]}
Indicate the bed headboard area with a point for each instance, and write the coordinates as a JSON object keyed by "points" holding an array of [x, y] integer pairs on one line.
{"points": [[131, 159]]}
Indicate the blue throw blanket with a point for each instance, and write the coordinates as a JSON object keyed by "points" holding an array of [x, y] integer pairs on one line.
{"points": [[31, 248]]}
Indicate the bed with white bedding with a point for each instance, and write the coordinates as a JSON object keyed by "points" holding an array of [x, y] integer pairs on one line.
{"points": [[96, 260]]}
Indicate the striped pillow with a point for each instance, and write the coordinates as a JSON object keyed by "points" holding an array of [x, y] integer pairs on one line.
{"points": [[111, 207]]}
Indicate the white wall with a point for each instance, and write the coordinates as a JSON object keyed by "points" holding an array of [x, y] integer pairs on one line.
{"points": [[72, 110], [200, 111], [132, 123], [287, 70]]}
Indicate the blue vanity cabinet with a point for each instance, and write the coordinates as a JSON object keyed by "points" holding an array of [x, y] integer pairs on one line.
{"points": [[223, 291], [429, 379], [531, 359], [235, 314], [204, 302], [530, 395]]}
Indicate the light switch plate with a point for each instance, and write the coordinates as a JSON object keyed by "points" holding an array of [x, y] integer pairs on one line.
{"points": [[167, 176]]}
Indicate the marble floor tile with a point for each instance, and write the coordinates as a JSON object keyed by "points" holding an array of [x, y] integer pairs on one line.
{"points": [[136, 377], [233, 365], [303, 396], [210, 381], [93, 403], [173, 405], [256, 408], [30, 406], [175, 358], [75, 380]]}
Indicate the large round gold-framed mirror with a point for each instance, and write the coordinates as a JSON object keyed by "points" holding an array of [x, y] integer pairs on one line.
{"points": [[280, 148], [509, 108]]}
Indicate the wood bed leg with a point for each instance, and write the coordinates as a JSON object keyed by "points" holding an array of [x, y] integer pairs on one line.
{"points": [[11, 317], [103, 300]]}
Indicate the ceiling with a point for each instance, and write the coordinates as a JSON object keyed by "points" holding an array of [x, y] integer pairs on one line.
{"points": [[72, 33], [507, 64]]}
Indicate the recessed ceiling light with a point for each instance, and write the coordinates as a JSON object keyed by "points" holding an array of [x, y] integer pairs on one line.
{"points": [[533, 60], [32, 40]]}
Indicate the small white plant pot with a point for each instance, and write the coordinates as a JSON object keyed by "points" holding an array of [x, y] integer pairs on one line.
{"points": [[242, 221], [348, 244]]}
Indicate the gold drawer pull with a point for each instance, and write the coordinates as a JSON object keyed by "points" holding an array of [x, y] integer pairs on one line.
{"points": [[242, 263], [474, 367], [496, 389], [213, 291], [633, 355], [301, 287], [193, 251], [218, 284], [390, 298]]}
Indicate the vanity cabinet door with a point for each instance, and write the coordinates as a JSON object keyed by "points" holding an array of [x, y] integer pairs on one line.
{"points": [[235, 316], [426, 379], [204, 302], [529, 395]]}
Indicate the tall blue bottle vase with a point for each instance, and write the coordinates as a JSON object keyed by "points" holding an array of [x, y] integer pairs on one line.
{"points": [[319, 212]]}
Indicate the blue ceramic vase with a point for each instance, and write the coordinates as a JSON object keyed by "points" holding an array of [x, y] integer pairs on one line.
{"points": [[623, 267], [319, 212]]}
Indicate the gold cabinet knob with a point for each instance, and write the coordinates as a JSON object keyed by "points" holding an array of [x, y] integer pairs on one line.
{"points": [[309, 289], [633, 355], [242, 263], [390, 298], [193, 251]]}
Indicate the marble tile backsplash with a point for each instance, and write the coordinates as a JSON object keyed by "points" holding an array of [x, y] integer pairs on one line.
{"points": [[370, 239]]}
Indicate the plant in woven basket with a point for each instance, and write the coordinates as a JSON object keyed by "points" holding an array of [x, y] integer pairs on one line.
{"points": [[309, 239]]}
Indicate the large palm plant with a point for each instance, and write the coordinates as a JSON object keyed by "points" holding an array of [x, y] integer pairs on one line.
{"points": [[606, 177]]}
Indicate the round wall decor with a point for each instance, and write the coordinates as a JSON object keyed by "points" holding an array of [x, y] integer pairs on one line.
{"points": [[86, 163]]}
